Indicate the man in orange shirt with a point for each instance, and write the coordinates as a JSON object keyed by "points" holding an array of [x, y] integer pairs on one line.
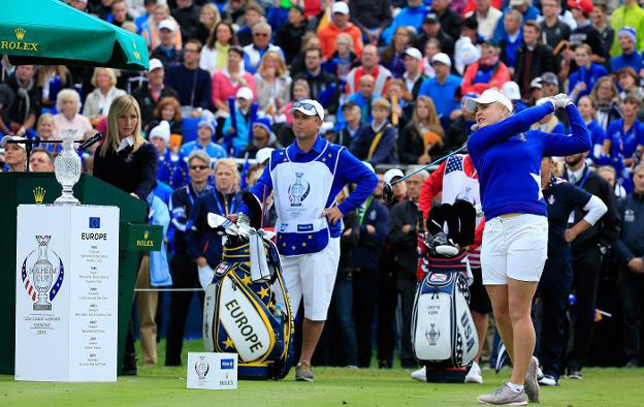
{"points": [[340, 24]]}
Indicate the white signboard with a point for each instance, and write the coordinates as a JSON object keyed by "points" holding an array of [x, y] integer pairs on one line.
{"points": [[67, 293], [212, 371]]}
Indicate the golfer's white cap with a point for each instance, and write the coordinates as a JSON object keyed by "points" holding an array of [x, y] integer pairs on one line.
{"points": [[391, 174], [308, 107], [263, 155], [511, 89], [168, 25], [340, 7], [489, 96]]}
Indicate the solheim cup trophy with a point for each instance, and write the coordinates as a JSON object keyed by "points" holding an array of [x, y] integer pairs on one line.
{"points": [[67, 168], [42, 274]]}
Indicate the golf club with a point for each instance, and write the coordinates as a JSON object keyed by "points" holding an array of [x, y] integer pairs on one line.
{"points": [[387, 190]]}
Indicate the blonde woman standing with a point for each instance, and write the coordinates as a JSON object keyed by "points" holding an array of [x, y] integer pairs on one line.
{"points": [[126, 160]]}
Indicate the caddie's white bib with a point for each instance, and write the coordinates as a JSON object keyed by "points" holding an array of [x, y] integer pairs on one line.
{"points": [[301, 193]]}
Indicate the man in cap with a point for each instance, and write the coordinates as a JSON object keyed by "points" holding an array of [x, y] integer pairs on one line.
{"points": [[410, 16], [413, 75], [306, 177], [585, 33], [533, 58], [549, 84], [339, 24], [151, 92], [167, 52], [237, 126], [205, 132], [15, 153], [443, 88], [629, 56], [432, 28], [262, 137], [629, 14]]}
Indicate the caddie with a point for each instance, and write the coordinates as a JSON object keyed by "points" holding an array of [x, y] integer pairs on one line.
{"points": [[306, 177]]}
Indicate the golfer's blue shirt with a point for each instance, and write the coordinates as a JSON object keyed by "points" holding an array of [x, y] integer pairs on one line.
{"points": [[507, 156]]}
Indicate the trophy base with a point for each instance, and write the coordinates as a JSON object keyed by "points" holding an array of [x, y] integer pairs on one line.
{"points": [[66, 201], [42, 307]]}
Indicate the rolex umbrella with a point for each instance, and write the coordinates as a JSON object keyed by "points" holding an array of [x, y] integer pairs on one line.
{"points": [[49, 32]]}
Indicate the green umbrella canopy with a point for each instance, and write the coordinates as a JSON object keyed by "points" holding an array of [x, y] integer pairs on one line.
{"points": [[49, 32]]}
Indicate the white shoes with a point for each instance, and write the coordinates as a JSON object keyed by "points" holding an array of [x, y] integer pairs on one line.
{"points": [[420, 374], [474, 375]]}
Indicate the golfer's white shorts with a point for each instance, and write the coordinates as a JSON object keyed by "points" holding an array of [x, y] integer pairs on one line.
{"points": [[312, 277], [514, 247]]}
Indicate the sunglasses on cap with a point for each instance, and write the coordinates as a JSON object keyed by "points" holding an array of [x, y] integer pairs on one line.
{"points": [[198, 167], [305, 106]]}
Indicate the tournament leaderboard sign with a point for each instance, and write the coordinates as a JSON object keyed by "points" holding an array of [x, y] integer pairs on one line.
{"points": [[67, 293]]}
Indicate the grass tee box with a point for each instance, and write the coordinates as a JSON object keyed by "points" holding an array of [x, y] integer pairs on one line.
{"points": [[335, 387]]}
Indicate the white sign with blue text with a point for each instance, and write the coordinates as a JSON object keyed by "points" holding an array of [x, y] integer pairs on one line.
{"points": [[212, 371]]}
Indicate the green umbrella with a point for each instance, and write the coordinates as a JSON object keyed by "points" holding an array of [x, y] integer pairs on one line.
{"points": [[49, 32]]}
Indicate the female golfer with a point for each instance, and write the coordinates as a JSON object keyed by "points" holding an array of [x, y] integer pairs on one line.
{"points": [[507, 156]]}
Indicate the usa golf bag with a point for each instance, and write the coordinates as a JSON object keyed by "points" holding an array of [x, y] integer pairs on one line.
{"points": [[246, 308], [444, 337]]}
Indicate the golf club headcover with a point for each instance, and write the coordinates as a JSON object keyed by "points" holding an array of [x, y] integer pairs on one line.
{"points": [[466, 214], [255, 207]]}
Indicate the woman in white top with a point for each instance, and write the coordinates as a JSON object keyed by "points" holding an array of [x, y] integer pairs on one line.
{"points": [[273, 84], [99, 100], [214, 56], [68, 117]]}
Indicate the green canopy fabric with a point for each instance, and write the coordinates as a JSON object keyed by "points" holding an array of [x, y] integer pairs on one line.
{"points": [[49, 32]]}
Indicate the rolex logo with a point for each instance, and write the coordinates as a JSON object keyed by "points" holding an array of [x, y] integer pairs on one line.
{"points": [[39, 194], [20, 33], [146, 234]]}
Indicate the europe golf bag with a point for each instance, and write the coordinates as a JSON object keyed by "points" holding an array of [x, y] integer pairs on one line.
{"points": [[246, 308], [443, 331]]}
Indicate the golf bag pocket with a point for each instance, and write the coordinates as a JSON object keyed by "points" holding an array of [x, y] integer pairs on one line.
{"points": [[249, 318], [443, 332]]}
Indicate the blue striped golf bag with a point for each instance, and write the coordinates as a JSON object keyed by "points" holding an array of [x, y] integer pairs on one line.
{"points": [[253, 319]]}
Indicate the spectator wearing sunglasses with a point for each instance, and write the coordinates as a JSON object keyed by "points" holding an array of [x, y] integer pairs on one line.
{"points": [[254, 52]]}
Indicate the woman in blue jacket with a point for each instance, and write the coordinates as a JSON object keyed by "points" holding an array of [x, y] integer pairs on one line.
{"points": [[507, 156], [204, 245]]}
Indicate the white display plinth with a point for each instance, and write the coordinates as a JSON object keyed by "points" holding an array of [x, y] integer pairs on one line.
{"points": [[67, 293]]}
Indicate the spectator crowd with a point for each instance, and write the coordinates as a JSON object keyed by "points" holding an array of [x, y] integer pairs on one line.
{"points": [[393, 76]]}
